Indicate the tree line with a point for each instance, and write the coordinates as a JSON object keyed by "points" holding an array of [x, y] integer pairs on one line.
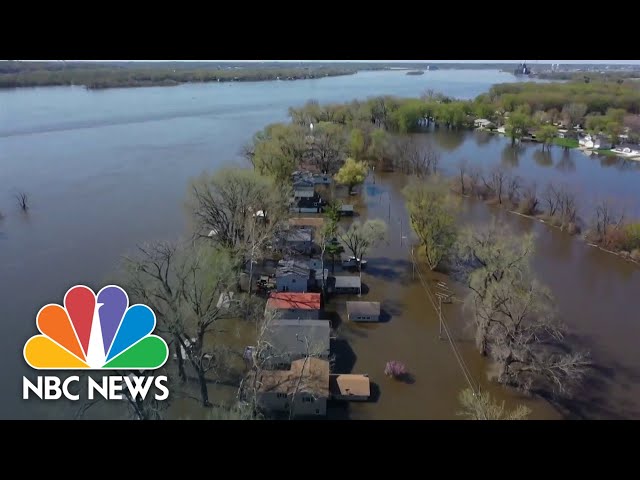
{"points": [[102, 76]]}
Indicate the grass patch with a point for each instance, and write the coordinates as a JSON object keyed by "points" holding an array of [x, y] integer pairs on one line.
{"points": [[566, 142], [608, 153]]}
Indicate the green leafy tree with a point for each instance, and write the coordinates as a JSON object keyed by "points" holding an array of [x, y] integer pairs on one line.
{"points": [[379, 146], [517, 125], [480, 406], [546, 134], [352, 173], [431, 214], [278, 150]]}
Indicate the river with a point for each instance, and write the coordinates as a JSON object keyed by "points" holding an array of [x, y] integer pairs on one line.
{"points": [[105, 170]]}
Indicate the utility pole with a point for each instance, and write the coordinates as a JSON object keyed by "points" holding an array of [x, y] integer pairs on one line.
{"points": [[413, 265], [440, 316]]}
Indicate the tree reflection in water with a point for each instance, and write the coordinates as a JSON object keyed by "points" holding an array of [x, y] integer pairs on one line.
{"points": [[543, 158], [567, 163], [511, 154]]}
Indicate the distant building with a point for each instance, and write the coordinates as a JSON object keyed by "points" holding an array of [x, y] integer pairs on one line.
{"points": [[482, 123], [522, 69], [363, 311], [295, 305], [302, 390]]}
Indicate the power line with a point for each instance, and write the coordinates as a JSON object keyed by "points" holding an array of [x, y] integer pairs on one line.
{"points": [[463, 366]]}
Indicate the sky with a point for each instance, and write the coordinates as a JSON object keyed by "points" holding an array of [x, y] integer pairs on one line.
{"points": [[569, 62]]}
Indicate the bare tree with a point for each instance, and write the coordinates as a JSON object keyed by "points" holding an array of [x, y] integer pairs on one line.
{"points": [[359, 238], [463, 167], [529, 201], [481, 406], [514, 314], [23, 200], [607, 219], [238, 209], [496, 183], [550, 198], [514, 185], [328, 148], [475, 175], [183, 286]]}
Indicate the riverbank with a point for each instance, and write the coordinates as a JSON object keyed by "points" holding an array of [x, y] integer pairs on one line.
{"points": [[104, 77]]}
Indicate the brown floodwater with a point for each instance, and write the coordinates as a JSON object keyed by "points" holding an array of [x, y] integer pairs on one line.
{"points": [[596, 294]]}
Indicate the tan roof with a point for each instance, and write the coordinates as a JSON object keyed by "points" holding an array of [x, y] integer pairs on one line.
{"points": [[350, 384], [315, 379], [306, 221], [363, 308]]}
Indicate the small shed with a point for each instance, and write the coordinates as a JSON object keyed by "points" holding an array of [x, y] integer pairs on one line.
{"points": [[346, 210], [347, 284], [363, 311], [350, 387]]}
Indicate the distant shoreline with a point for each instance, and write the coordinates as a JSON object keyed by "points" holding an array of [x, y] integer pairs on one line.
{"points": [[101, 77]]}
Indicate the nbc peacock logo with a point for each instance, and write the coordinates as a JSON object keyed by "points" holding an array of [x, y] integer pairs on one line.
{"points": [[96, 332]]}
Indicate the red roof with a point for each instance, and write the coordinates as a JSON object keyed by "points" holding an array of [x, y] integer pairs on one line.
{"points": [[296, 301]]}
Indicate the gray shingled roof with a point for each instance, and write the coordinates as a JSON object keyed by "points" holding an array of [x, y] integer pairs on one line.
{"points": [[291, 336]]}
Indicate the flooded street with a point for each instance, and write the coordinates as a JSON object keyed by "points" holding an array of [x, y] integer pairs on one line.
{"points": [[596, 294]]}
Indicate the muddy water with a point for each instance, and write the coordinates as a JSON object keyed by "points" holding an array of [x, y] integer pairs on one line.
{"points": [[597, 297]]}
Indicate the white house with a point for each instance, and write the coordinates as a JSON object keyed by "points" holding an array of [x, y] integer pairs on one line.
{"points": [[597, 143], [302, 390], [482, 123]]}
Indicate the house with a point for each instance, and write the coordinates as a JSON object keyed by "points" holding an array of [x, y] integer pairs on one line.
{"points": [[295, 305], [288, 340], [301, 391], [303, 191], [363, 311], [311, 263], [293, 277], [346, 284], [301, 177], [582, 140], [350, 387], [307, 204], [298, 240], [598, 142], [482, 123]]}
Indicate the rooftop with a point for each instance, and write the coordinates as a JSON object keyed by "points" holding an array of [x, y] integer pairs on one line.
{"points": [[298, 337], [363, 308], [350, 384], [347, 281], [310, 376], [306, 221], [225, 300], [293, 269], [292, 300], [299, 235]]}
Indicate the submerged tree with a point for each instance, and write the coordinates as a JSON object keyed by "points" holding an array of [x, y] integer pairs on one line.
{"points": [[352, 173], [513, 313], [238, 209], [182, 286], [481, 406], [432, 219], [359, 238]]}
